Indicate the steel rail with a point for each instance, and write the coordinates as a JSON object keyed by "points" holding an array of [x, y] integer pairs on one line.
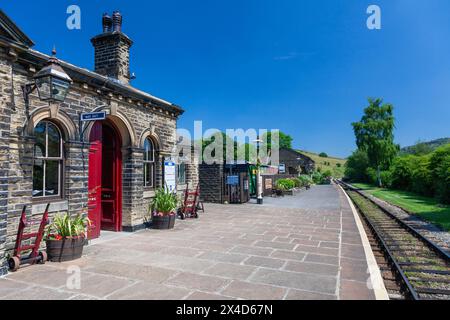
{"points": [[411, 292], [436, 248]]}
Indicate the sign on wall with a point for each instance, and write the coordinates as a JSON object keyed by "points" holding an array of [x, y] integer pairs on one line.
{"points": [[233, 180], [170, 177], [269, 184], [282, 168], [93, 116]]}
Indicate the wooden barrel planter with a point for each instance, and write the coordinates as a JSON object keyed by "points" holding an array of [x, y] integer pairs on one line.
{"points": [[65, 250], [164, 222]]}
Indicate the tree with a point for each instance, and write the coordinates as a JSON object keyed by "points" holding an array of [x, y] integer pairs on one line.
{"points": [[356, 167], [420, 149], [285, 140], [375, 135], [323, 155]]}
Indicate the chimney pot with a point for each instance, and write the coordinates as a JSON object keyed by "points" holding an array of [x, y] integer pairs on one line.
{"points": [[107, 23], [117, 21]]}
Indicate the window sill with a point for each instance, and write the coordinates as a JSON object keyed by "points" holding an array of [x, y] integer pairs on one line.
{"points": [[149, 193], [39, 206]]}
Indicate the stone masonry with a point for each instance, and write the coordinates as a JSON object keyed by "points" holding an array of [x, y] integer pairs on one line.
{"points": [[136, 114], [211, 182], [6, 101]]}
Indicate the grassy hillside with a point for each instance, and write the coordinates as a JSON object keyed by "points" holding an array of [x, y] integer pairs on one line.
{"points": [[335, 165], [425, 147]]}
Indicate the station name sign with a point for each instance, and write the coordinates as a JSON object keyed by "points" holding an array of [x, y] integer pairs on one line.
{"points": [[93, 116]]}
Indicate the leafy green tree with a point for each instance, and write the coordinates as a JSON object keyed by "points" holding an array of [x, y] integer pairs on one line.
{"points": [[356, 166], [375, 135], [285, 140], [323, 155], [440, 173]]}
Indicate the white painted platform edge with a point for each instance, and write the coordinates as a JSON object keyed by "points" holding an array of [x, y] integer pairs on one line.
{"points": [[376, 280]]}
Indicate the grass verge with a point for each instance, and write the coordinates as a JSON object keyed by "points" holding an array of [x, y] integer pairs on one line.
{"points": [[427, 208]]}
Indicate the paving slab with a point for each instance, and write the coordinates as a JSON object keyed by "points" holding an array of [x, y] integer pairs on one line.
{"points": [[252, 291], [305, 247]]}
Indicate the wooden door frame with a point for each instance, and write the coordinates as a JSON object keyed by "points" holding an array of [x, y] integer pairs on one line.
{"points": [[117, 173]]}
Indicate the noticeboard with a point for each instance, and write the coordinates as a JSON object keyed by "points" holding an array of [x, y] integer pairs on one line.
{"points": [[233, 180], [170, 178]]}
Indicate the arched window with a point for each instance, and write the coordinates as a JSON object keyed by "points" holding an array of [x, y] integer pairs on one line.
{"points": [[48, 161], [149, 164]]}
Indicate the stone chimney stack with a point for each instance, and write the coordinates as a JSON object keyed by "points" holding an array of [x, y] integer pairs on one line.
{"points": [[112, 49]]}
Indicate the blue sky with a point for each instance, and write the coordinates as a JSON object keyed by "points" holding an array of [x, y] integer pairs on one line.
{"points": [[305, 67]]}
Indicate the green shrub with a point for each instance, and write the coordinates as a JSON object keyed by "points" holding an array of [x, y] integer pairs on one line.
{"points": [[356, 167], [421, 180], [440, 173], [297, 182], [317, 177], [327, 174], [402, 172], [285, 184], [164, 202], [386, 179], [323, 155], [65, 226], [305, 180]]}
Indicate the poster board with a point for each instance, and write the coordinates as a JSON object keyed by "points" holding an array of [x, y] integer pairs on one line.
{"points": [[170, 177]]}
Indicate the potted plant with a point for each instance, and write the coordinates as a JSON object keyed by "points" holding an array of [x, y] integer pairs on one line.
{"points": [[66, 236], [163, 209]]}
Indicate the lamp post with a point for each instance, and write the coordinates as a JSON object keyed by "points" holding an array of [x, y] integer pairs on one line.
{"points": [[259, 187], [52, 82]]}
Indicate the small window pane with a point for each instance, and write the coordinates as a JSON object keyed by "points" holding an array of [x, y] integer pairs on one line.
{"points": [[54, 142], [148, 174], [52, 178], [39, 148], [149, 150], [38, 178]]}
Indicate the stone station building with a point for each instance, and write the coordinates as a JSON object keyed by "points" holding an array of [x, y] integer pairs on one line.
{"points": [[108, 168]]}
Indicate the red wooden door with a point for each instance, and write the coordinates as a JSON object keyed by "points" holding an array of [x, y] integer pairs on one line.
{"points": [[95, 180], [111, 180]]}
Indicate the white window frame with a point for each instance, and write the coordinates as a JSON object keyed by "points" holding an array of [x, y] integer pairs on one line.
{"points": [[60, 160], [150, 163]]}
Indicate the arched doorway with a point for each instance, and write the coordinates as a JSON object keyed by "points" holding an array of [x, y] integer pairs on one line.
{"points": [[105, 179]]}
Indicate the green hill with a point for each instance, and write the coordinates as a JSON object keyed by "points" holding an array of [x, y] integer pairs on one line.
{"points": [[335, 165], [425, 147]]}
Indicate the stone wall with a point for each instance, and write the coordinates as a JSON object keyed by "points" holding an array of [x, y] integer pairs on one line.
{"points": [[5, 120], [211, 182], [134, 120]]}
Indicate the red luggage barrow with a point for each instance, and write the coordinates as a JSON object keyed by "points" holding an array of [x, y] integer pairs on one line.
{"points": [[35, 255], [191, 205]]}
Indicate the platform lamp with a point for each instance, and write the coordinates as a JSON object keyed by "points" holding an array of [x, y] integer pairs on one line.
{"points": [[259, 187], [51, 82]]}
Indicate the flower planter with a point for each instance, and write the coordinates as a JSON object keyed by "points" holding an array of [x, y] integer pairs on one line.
{"points": [[163, 222], [288, 192], [65, 250]]}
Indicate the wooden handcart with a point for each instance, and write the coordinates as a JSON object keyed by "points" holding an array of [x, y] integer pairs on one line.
{"points": [[191, 205], [35, 256]]}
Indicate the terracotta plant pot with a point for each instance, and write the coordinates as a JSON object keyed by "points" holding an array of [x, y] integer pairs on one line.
{"points": [[65, 250], [164, 222]]}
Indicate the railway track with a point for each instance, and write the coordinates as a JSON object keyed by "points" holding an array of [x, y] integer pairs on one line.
{"points": [[412, 266]]}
